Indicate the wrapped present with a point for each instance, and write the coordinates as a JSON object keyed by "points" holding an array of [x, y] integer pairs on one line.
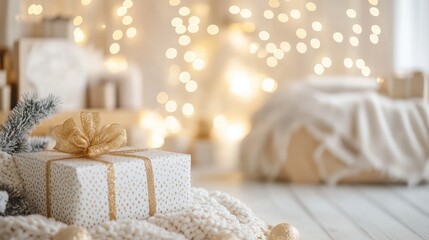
{"points": [[88, 179]]}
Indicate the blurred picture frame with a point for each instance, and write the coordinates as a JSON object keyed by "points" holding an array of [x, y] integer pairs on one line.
{"points": [[52, 66]]}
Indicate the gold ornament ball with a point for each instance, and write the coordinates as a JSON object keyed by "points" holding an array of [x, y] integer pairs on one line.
{"points": [[284, 231], [72, 233]]}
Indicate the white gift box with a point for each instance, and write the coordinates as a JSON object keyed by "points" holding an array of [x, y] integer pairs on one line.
{"points": [[79, 189]]}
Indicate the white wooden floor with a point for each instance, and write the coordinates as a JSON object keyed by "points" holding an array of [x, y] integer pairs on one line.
{"points": [[342, 212]]}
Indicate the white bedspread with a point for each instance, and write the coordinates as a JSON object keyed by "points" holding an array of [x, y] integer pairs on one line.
{"points": [[362, 128]]}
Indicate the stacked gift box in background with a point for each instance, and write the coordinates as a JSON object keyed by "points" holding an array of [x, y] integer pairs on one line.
{"points": [[5, 89]]}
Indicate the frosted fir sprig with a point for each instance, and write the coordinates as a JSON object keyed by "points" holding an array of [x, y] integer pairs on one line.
{"points": [[28, 113]]}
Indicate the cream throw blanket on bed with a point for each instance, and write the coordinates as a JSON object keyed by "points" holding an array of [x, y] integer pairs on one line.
{"points": [[362, 128]]}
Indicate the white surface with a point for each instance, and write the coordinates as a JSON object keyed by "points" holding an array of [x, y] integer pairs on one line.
{"points": [[343, 212]]}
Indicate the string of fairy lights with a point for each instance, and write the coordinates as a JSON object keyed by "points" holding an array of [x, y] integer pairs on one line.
{"points": [[264, 46], [249, 30], [274, 52]]}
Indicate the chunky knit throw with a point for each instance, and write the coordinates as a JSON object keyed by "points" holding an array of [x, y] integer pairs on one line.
{"points": [[212, 215]]}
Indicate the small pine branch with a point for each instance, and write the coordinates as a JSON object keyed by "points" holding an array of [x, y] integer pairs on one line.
{"points": [[16, 204], [28, 113], [37, 144]]}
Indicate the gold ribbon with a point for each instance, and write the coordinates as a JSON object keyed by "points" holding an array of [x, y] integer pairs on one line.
{"points": [[90, 142]]}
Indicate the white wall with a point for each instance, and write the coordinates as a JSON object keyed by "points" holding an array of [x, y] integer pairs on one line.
{"points": [[155, 35], [411, 38]]}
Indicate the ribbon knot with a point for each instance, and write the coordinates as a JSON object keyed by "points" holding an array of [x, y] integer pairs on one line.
{"points": [[92, 140]]}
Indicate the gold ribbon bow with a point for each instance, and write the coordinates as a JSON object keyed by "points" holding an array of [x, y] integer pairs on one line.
{"points": [[92, 141]]}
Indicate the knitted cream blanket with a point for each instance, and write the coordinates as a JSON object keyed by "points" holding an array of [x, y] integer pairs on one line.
{"points": [[212, 215]]}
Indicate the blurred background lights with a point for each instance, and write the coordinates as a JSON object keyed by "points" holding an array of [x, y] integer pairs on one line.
{"points": [[264, 35], [351, 13], [121, 11], [326, 62], [338, 37], [253, 48], [357, 28], [184, 77], [35, 9], [248, 27], [174, 2], [85, 2], [162, 97], [190, 24], [301, 33], [117, 35], [234, 9], [317, 26], [310, 6], [184, 40], [184, 11], [79, 35], [269, 85], [194, 20], [156, 141], [373, 2], [283, 17], [295, 14], [285, 46], [171, 53], [176, 22], [240, 83], [315, 43], [236, 131], [191, 86], [270, 47], [77, 20], [188, 109], [272, 61], [246, 13], [127, 20], [190, 56], [373, 38], [374, 11], [114, 48], [171, 106], [131, 32], [193, 28], [220, 122], [319, 69], [360, 63], [348, 62], [301, 47], [213, 29], [366, 71], [274, 3], [180, 29], [268, 14], [198, 64], [279, 54], [376, 29], [128, 3], [172, 124], [354, 41], [116, 64]]}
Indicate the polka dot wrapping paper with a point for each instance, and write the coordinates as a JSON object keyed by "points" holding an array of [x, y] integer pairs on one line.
{"points": [[79, 187]]}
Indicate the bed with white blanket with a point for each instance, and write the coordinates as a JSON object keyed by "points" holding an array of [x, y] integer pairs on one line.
{"points": [[310, 132]]}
